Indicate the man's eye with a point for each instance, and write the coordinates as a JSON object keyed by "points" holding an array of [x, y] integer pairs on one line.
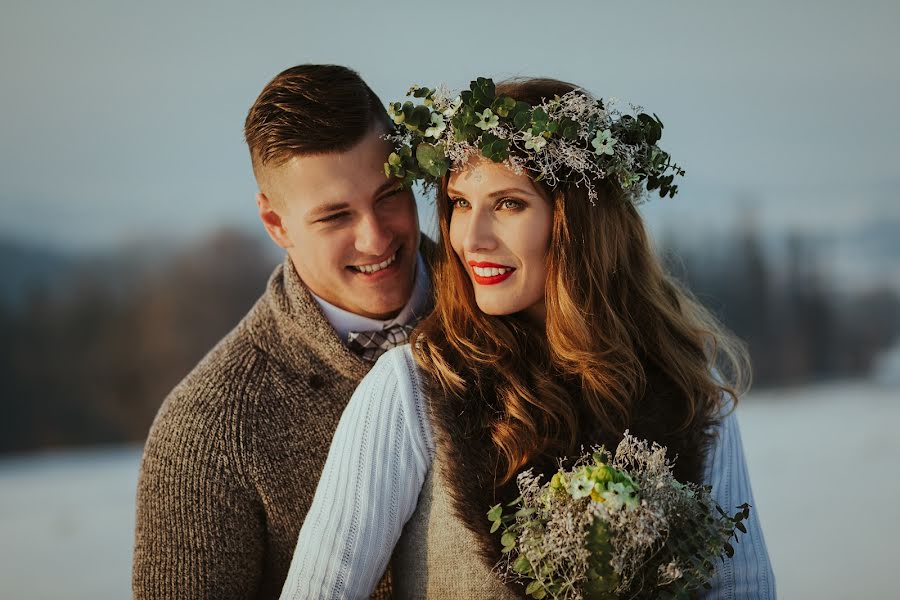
{"points": [[332, 218], [391, 195]]}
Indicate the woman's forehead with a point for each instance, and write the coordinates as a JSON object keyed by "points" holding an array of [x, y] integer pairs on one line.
{"points": [[483, 176]]}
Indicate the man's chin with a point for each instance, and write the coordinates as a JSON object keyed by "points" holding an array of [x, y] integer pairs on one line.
{"points": [[382, 307]]}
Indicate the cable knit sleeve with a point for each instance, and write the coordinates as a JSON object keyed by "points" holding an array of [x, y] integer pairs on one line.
{"points": [[369, 488], [748, 574]]}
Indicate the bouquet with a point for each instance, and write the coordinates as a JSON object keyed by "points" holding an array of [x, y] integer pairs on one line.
{"points": [[614, 527]]}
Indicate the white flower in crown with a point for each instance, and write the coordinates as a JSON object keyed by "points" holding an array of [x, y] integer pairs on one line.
{"points": [[453, 107], [570, 138], [534, 142], [437, 126], [604, 142], [487, 120]]}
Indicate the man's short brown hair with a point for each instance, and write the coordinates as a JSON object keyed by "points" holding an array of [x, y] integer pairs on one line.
{"points": [[310, 109]]}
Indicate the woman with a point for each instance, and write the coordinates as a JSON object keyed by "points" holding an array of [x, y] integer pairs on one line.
{"points": [[554, 328]]}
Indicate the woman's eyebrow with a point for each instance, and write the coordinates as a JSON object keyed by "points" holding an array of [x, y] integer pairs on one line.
{"points": [[495, 194], [508, 191]]}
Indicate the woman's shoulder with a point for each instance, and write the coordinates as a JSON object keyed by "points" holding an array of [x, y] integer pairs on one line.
{"points": [[396, 366], [395, 373], [395, 384], [398, 355]]}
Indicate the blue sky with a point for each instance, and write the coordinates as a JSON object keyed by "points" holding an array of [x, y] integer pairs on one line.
{"points": [[122, 120]]}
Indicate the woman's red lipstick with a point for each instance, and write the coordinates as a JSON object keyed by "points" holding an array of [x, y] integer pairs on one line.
{"points": [[490, 280]]}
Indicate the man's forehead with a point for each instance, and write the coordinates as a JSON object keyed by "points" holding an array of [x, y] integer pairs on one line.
{"points": [[321, 180]]}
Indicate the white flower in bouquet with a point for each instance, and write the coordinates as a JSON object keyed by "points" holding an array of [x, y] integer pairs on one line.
{"points": [[605, 528]]}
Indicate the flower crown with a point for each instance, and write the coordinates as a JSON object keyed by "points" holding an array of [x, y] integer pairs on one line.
{"points": [[571, 138]]}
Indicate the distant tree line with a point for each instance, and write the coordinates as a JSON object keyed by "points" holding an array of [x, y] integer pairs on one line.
{"points": [[799, 325], [92, 362], [89, 360]]}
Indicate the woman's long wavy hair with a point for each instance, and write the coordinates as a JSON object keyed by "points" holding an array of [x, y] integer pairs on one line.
{"points": [[611, 310]]}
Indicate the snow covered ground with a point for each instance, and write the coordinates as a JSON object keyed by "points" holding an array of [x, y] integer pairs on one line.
{"points": [[823, 462], [66, 522]]}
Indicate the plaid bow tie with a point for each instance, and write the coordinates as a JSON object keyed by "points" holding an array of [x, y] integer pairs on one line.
{"points": [[369, 345]]}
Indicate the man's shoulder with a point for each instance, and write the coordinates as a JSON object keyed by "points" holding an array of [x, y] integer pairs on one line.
{"points": [[245, 368], [214, 389], [236, 362]]}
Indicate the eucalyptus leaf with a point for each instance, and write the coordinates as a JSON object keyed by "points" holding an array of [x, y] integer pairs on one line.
{"points": [[521, 564], [508, 539], [432, 159], [419, 117], [495, 512], [568, 129], [483, 91], [533, 587], [539, 121], [521, 115], [493, 147], [502, 106]]}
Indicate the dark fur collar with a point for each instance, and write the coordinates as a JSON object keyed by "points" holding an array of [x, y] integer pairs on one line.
{"points": [[469, 460]]}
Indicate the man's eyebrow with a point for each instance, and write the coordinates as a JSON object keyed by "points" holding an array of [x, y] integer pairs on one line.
{"points": [[387, 185], [331, 207], [324, 209]]}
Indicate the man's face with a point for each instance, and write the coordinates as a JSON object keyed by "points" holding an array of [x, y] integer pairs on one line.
{"points": [[351, 232]]}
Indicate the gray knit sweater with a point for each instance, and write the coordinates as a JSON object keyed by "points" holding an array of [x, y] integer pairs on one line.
{"points": [[234, 454]]}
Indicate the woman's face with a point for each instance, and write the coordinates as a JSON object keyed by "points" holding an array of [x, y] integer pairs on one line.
{"points": [[500, 226]]}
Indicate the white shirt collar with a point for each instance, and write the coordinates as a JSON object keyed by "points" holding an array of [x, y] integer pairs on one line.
{"points": [[345, 321]]}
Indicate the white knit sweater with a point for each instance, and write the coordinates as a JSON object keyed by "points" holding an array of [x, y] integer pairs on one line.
{"points": [[379, 457]]}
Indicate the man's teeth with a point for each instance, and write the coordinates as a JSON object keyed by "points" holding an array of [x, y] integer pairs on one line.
{"points": [[490, 271], [375, 268]]}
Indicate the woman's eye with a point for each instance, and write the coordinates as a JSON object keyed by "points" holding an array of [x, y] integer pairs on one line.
{"points": [[459, 203], [510, 204]]}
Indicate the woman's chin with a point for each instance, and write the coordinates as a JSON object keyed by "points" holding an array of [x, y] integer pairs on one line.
{"points": [[498, 309]]}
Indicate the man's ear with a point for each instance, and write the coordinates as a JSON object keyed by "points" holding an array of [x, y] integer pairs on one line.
{"points": [[271, 220]]}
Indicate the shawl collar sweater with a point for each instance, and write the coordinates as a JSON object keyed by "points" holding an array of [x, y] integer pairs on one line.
{"points": [[236, 450]]}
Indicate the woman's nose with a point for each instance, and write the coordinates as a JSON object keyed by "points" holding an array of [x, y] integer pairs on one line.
{"points": [[479, 234]]}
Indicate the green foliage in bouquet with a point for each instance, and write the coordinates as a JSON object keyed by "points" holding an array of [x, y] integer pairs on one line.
{"points": [[565, 138], [615, 528]]}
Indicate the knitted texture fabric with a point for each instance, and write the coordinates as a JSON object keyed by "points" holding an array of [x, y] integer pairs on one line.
{"points": [[234, 455]]}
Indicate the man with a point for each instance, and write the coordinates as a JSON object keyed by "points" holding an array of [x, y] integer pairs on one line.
{"points": [[234, 455]]}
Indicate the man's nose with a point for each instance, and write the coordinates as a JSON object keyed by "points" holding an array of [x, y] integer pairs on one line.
{"points": [[373, 237]]}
